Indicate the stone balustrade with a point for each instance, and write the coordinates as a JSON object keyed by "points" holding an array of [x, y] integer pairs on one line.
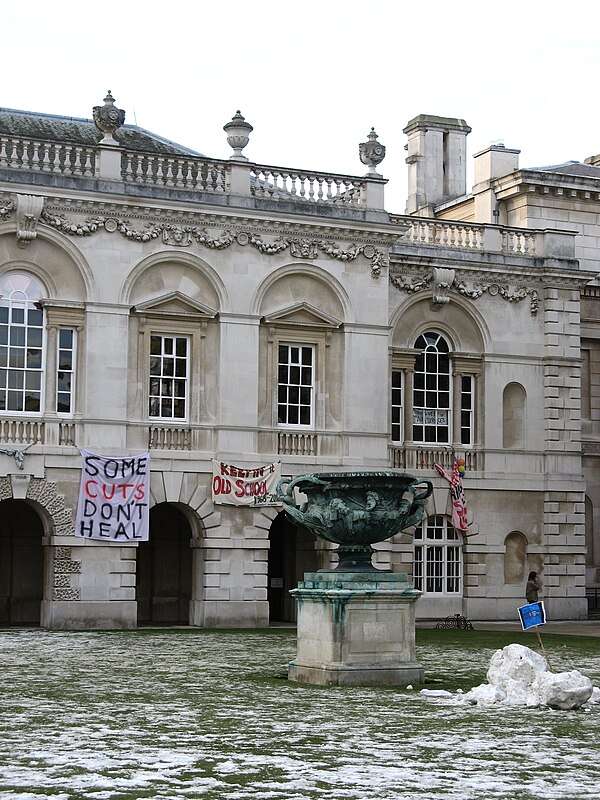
{"points": [[276, 183], [416, 457], [42, 156], [167, 438], [191, 174], [440, 233], [297, 444], [515, 240], [21, 431], [489, 238]]}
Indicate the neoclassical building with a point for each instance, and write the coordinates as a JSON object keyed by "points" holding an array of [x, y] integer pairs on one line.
{"points": [[220, 311]]}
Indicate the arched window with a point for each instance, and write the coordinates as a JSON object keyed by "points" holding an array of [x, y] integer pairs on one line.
{"points": [[437, 565], [21, 344], [433, 394], [431, 390]]}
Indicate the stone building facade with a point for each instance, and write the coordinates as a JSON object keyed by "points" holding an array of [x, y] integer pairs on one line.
{"points": [[154, 298]]}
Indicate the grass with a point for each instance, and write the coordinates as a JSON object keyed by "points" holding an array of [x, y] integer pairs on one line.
{"points": [[191, 713]]}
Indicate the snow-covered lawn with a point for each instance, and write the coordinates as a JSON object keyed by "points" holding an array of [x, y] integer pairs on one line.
{"points": [[209, 714]]}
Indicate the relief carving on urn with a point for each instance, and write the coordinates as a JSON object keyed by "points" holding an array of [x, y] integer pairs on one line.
{"points": [[371, 152]]}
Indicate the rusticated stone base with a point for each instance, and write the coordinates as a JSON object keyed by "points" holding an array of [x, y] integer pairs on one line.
{"points": [[356, 629]]}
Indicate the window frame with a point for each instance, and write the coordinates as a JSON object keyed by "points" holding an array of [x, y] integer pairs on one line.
{"points": [[285, 342], [427, 390], [187, 379], [73, 371], [446, 547], [31, 303]]}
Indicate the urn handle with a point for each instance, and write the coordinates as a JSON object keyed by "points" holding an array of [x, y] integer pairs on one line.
{"points": [[287, 495]]}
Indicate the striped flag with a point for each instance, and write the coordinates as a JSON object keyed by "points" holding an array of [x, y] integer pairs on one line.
{"points": [[457, 497]]}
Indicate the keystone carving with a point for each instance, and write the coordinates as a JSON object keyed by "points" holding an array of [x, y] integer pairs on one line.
{"points": [[442, 281], [29, 210]]}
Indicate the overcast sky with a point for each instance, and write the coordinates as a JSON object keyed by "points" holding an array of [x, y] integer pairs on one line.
{"points": [[314, 76]]}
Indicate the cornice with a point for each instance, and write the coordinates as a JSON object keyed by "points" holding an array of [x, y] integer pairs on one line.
{"points": [[304, 240], [574, 187]]}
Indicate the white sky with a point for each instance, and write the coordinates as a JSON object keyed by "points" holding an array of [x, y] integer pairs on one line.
{"points": [[313, 76]]}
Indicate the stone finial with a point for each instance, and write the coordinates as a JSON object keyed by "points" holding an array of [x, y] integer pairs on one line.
{"points": [[238, 135], [108, 118], [371, 152]]}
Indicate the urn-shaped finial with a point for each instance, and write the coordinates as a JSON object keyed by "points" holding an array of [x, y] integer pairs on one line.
{"points": [[371, 152], [238, 135], [108, 118]]}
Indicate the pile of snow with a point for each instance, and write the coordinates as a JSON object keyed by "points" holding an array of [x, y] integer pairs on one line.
{"points": [[518, 676]]}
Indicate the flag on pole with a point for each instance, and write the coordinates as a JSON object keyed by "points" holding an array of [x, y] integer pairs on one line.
{"points": [[457, 497]]}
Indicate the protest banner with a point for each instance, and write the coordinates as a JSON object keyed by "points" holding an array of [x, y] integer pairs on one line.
{"points": [[114, 497], [457, 497], [532, 616], [238, 486]]}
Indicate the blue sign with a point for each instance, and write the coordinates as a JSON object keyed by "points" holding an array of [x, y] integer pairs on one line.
{"points": [[532, 615]]}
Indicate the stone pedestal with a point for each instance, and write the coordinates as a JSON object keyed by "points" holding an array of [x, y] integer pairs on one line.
{"points": [[356, 629]]}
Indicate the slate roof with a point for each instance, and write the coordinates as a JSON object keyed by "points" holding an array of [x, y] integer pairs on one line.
{"points": [[71, 130], [571, 168]]}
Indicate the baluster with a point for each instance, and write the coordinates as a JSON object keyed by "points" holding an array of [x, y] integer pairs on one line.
{"points": [[139, 171], [88, 169], [221, 177], [179, 179], [55, 159], [35, 157], [46, 159], [128, 174], [189, 177], [169, 177], [159, 178], [77, 163], [67, 165], [302, 186], [3, 154]]}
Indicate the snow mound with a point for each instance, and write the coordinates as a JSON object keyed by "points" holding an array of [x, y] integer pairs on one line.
{"points": [[519, 676]]}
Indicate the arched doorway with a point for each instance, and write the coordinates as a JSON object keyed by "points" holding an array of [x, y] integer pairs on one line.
{"points": [[164, 569], [291, 553], [21, 563]]}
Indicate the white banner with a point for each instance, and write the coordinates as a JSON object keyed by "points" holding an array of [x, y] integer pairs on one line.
{"points": [[114, 498], [245, 487]]}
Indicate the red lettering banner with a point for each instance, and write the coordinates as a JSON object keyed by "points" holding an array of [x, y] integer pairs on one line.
{"points": [[114, 498], [241, 486]]}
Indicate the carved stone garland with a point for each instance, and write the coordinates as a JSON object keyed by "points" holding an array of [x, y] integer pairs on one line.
{"points": [[410, 285], [183, 235]]}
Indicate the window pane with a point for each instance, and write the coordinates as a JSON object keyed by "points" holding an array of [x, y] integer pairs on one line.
{"points": [[167, 395], [155, 345], [295, 384], [437, 565], [65, 338]]}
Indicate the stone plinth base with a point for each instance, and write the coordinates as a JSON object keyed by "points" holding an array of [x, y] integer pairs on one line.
{"points": [[356, 629], [67, 615]]}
